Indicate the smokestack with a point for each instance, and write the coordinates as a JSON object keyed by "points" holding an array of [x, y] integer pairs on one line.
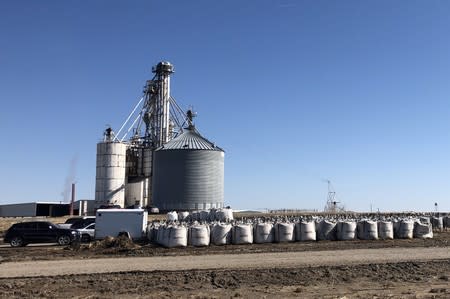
{"points": [[73, 199]]}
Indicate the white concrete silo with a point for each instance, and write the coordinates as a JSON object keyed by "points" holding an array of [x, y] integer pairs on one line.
{"points": [[110, 173]]}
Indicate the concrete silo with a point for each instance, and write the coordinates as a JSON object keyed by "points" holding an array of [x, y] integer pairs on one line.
{"points": [[188, 173], [110, 172]]}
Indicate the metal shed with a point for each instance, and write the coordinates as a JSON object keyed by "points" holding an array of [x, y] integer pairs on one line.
{"points": [[33, 209]]}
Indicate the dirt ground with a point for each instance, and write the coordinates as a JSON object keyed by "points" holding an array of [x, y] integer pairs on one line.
{"points": [[396, 280], [378, 280], [8, 254]]}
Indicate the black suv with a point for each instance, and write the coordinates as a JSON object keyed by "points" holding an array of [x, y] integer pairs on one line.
{"points": [[21, 234]]}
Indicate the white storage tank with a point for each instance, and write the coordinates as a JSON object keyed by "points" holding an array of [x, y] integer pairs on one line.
{"points": [[135, 190], [110, 174]]}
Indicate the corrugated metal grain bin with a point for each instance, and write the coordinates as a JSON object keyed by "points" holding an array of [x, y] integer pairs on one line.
{"points": [[188, 174]]}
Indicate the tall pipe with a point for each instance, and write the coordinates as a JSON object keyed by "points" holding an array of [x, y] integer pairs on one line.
{"points": [[73, 199]]}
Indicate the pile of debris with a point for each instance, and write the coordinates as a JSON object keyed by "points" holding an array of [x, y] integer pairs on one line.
{"points": [[119, 243]]}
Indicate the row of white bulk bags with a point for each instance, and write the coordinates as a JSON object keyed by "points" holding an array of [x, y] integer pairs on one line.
{"points": [[199, 235], [221, 234], [172, 236], [423, 230], [263, 233], [284, 232], [367, 230], [305, 231], [242, 234], [346, 230], [385, 230], [326, 230]]}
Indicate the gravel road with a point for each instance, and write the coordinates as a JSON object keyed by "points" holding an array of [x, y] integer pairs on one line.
{"points": [[221, 261]]}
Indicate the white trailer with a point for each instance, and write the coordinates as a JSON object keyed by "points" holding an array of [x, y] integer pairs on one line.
{"points": [[113, 222]]}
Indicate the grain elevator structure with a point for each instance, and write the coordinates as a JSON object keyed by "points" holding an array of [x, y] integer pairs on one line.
{"points": [[158, 158]]}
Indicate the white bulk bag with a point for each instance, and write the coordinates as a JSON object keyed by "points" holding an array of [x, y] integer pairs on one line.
{"points": [[177, 236], [423, 231], [284, 232], [437, 222], [346, 230], [242, 234], [263, 233], [182, 216], [385, 230], [172, 216], [199, 235], [406, 229], [326, 230], [305, 231], [224, 215], [367, 230], [221, 234]]}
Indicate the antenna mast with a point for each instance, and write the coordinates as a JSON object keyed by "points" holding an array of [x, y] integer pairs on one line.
{"points": [[331, 205]]}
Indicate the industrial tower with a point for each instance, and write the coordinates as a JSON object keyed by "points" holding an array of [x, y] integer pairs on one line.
{"points": [[158, 120]]}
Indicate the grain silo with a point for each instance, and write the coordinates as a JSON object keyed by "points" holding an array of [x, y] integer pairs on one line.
{"points": [[188, 173], [153, 147], [110, 172]]}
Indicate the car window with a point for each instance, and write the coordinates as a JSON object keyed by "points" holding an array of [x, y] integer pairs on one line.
{"points": [[18, 226], [78, 224], [43, 225], [92, 226], [29, 225], [72, 220]]}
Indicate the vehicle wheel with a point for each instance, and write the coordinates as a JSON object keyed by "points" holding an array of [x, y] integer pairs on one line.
{"points": [[85, 238], [17, 242], [63, 240]]}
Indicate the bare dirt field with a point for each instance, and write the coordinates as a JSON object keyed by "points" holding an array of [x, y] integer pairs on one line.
{"points": [[380, 278], [392, 280]]}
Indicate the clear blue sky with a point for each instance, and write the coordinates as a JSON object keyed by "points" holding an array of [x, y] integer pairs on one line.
{"points": [[295, 92]]}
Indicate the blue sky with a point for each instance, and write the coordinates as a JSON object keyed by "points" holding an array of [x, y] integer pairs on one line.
{"points": [[295, 92]]}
